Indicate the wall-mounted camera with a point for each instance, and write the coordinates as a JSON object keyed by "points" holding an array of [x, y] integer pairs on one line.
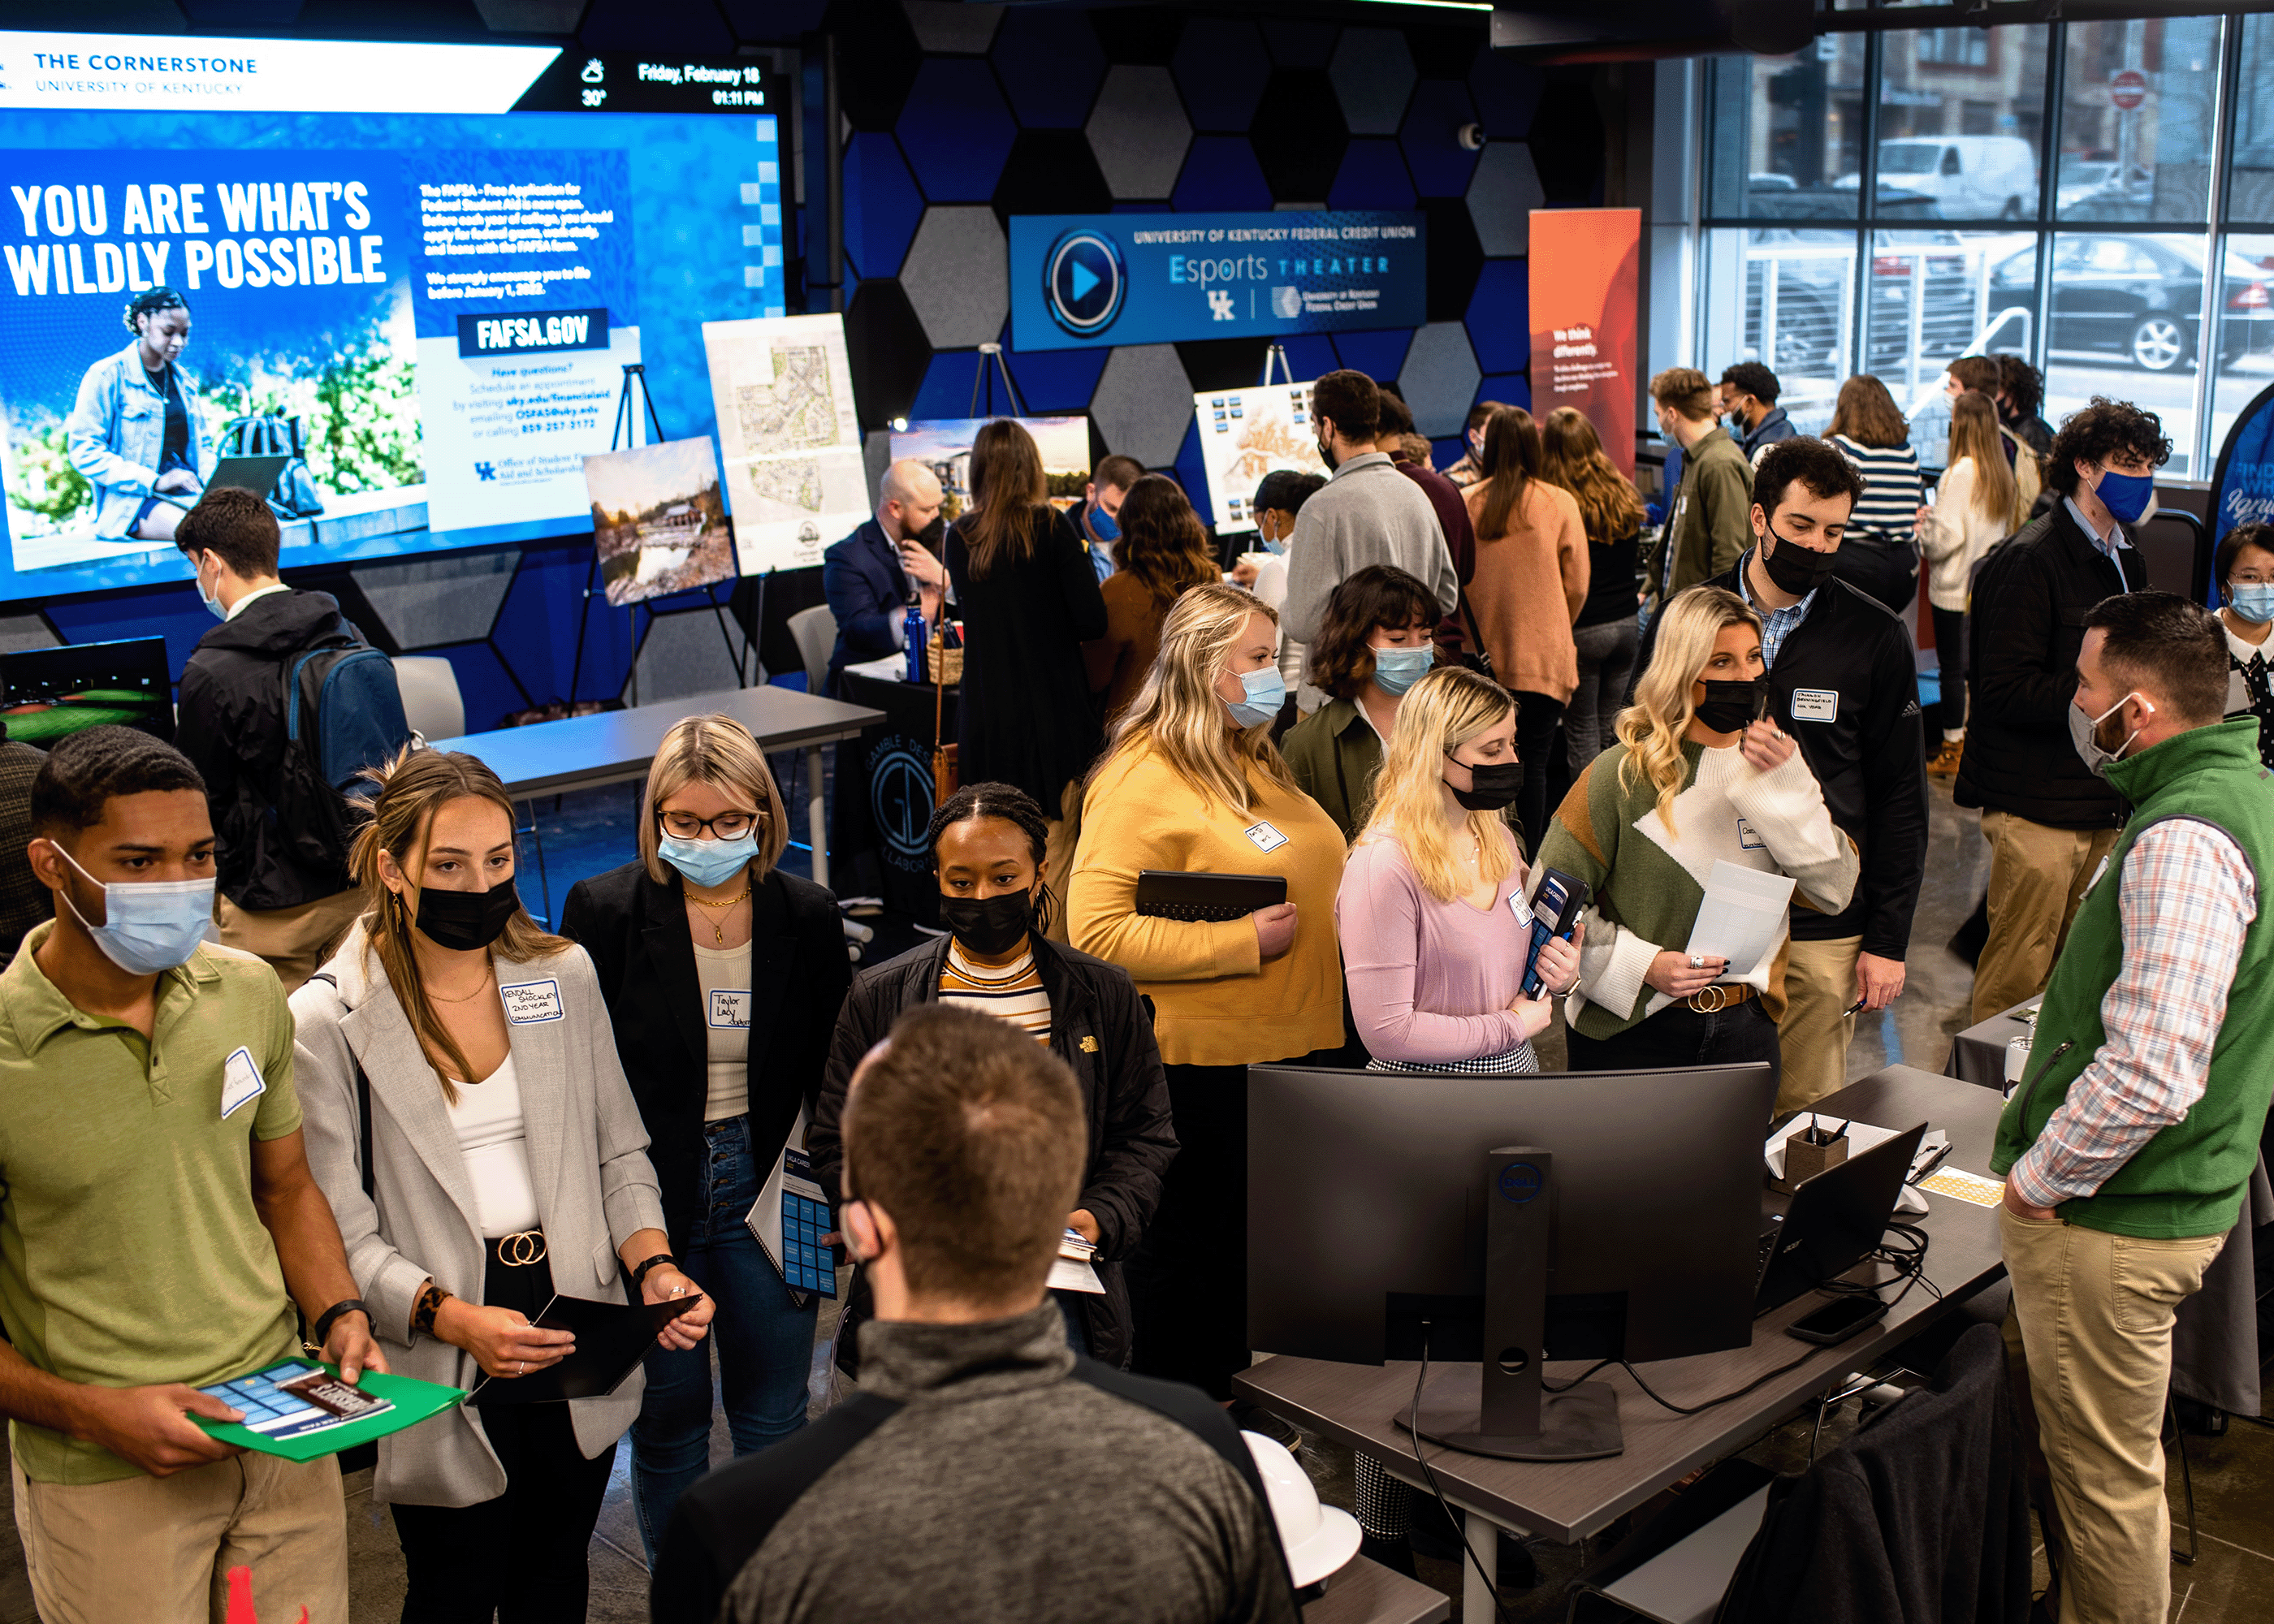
{"points": [[1473, 138]]}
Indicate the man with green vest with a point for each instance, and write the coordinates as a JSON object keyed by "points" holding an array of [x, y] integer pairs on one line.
{"points": [[2127, 1146]]}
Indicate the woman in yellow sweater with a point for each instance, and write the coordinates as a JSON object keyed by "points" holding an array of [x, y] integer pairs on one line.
{"points": [[1190, 781]]}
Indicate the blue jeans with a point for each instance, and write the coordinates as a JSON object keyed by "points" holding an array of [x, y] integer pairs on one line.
{"points": [[765, 1342]]}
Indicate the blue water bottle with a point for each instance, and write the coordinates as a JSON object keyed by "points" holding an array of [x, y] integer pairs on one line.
{"points": [[917, 634]]}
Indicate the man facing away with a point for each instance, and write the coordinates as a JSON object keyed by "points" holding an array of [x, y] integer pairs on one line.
{"points": [[158, 1222], [2049, 821], [231, 725], [2128, 1145], [983, 1472], [866, 578]]}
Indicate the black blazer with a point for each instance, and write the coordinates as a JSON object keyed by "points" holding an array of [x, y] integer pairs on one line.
{"points": [[1104, 1031], [635, 931]]}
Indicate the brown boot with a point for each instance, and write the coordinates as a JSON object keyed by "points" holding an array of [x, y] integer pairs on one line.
{"points": [[1944, 762]]}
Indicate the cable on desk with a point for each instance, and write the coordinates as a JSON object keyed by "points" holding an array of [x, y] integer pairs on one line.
{"points": [[1460, 1524]]}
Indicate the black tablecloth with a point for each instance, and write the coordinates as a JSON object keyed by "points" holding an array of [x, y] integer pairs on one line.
{"points": [[883, 801]]}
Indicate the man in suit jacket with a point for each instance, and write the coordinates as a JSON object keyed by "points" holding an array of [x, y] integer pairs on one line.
{"points": [[866, 576]]}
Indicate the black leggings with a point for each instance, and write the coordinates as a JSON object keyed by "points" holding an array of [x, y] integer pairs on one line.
{"points": [[1950, 654], [1537, 718]]}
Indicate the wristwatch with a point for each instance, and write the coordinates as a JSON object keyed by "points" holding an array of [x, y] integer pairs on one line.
{"points": [[640, 1274], [345, 1306]]}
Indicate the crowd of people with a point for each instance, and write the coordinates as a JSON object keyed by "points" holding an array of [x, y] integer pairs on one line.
{"points": [[456, 1112]]}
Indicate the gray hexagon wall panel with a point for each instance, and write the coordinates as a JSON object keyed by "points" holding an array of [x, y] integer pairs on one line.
{"points": [[1438, 379], [1374, 79], [683, 653], [425, 603], [1139, 132], [1143, 402], [953, 30], [25, 631], [1502, 193], [958, 278]]}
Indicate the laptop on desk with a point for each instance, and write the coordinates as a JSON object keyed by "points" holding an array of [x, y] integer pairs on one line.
{"points": [[1834, 1219]]}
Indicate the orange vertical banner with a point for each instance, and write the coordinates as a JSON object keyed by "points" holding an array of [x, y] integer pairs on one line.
{"points": [[1584, 267]]}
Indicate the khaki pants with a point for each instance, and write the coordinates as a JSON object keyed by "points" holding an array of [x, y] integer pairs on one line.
{"points": [[1819, 984], [2092, 1320], [158, 1549], [2037, 875], [293, 941]]}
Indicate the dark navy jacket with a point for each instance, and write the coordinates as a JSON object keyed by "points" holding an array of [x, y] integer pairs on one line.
{"points": [[863, 579]]}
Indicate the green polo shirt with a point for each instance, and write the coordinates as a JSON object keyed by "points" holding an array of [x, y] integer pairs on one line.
{"points": [[130, 1250]]}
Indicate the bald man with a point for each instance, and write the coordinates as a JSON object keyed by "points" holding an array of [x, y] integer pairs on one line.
{"points": [[867, 576]]}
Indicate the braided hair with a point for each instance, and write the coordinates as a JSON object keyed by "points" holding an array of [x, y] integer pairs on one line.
{"points": [[1008, 803], [149, 303]]}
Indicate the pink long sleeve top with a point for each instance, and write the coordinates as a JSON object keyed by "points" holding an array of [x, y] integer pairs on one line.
{"points": [[1430, 982]]}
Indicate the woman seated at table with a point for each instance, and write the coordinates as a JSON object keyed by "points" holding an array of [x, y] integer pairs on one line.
{"points": [[1695, 778], [1374, 645]]}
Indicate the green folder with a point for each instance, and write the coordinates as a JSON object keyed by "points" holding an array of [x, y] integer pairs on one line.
{"points": [[413, 1401]]}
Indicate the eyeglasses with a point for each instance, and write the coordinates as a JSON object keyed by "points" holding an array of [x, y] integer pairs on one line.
{"points": [[726, 826]]}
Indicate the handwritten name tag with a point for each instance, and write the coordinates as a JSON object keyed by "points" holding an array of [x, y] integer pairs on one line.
{"points": [[729, 1008], [532, 1001]]}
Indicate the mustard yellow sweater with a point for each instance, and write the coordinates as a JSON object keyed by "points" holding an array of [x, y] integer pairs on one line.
{"points": [[1216, 1002]]}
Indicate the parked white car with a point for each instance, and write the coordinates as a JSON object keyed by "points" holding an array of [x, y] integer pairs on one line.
{"points": [[1969, 177]]}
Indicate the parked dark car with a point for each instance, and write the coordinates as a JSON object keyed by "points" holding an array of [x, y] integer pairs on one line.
{"points": [[2141, 298]]}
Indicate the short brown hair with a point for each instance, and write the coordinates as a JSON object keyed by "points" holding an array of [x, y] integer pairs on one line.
{"points": [[971, 1135], [2169, 644], [1397, 417], [1350, 401], [1379, 595], [1686, 390], [1811, 463], [1975, 373], [1119, 472], [237, 526]]}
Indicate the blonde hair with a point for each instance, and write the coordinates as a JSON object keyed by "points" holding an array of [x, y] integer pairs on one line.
{"points": [[1177, 711], [412, 788], [717, 750], [1438, 714], [1654, 726]]}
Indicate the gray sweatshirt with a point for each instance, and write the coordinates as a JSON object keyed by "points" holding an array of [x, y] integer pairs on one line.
{"points": [[1367, 513], [982, 1474]]}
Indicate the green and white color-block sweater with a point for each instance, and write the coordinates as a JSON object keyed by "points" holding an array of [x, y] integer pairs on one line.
{"points": [[1645, 883]]}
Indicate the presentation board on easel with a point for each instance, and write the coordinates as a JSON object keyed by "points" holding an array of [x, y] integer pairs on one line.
{"points": [[788, 437], [1247, 433]]}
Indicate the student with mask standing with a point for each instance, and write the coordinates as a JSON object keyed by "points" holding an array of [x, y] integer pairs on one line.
{"points": [[1375, 645], [1842, 680], [2244, 569], [722, 976], [2048, 820], [161, 1223], [987, 843], [1747, 396], [1099, 517], [1705, 525]]}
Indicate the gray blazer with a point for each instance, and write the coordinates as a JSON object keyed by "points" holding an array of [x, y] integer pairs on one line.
{"points": [[587, 1159]]}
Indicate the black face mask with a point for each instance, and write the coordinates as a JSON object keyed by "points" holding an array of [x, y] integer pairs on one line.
{"points": [[1795, 568], [1493, 784], [988, 926], [1327, 455], [1729, 706], [466, 919]]}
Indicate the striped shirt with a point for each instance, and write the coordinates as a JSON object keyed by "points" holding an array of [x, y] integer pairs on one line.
{"points": [[1890, 502], [2187, 899], [1012, 993]]}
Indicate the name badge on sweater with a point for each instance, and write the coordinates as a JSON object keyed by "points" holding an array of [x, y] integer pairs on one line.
{"points": [[240, 1082], [1265, 838], [1747, 840], [1815, 704], [533, 1001], [729, 1008]]}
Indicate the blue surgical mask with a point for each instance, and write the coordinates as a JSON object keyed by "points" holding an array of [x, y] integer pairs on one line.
{"points": [[148, 926], [219, 609], [2253, 600], [709, 862], [2126, 495], [1267, 692], [1396, 669], [1103, 525]]}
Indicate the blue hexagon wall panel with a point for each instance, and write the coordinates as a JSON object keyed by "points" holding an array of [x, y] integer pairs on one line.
{"points": [[1373, 176], [1221, 173], [1051, 64], [1500, 316], [882, 204], [1430, 137], [1220, 66], [956, 129]]}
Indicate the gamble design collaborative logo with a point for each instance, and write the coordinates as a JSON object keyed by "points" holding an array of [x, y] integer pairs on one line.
{"points": [[1084, 281]]}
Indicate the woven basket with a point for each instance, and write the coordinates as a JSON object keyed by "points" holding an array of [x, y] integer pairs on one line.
{"points": [[944, 664]]}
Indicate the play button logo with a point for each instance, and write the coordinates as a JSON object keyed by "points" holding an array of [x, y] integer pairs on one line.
{"points": [[1084, 281]]}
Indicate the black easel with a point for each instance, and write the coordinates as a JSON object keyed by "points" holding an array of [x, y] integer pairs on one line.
{"points": [[986, 377]]}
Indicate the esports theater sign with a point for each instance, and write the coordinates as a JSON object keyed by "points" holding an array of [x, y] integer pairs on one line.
{"points": [[1079, 280]]}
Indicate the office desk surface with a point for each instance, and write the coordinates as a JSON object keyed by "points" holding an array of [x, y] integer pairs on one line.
{"points": [[615, 747], [1366, 1592], [1353, 1404]]}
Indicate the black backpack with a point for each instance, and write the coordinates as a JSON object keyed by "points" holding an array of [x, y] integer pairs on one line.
{"points": [[343, 713], [294, 494]]}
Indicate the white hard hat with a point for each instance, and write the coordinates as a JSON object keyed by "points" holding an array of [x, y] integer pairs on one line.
{"points": [[1318, 1539]]}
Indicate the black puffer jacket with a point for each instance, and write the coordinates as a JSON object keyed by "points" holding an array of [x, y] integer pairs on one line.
{"points": [[2030, 598], [231, 725], [1103, 1032]]}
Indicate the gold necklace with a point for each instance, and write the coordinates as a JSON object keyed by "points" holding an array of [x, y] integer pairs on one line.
{"points": [[719, 927], [487, 975]]}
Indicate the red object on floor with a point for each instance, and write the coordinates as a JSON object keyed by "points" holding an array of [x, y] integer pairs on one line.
{"points": [[240, 1599]]}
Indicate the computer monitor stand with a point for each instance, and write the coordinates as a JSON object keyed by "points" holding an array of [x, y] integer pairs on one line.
{"points": [[1501, 1411]]}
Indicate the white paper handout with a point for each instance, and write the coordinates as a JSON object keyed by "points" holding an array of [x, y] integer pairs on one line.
{"points": [[1742, 917]]}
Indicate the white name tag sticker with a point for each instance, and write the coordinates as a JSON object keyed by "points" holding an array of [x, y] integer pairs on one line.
{"points": [[533, 1001], [1749, 841], [729, 1008], [240, 1082], [1265, 838], [1815, 704]]}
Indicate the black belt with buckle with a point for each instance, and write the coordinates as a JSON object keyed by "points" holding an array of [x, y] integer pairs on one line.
{"points": [[524, 1249]]}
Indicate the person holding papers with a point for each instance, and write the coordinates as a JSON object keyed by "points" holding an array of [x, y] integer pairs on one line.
{"points": [[722, 976], [987, 843], [1681, 832], [469, 1121], [158, 1223]]}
